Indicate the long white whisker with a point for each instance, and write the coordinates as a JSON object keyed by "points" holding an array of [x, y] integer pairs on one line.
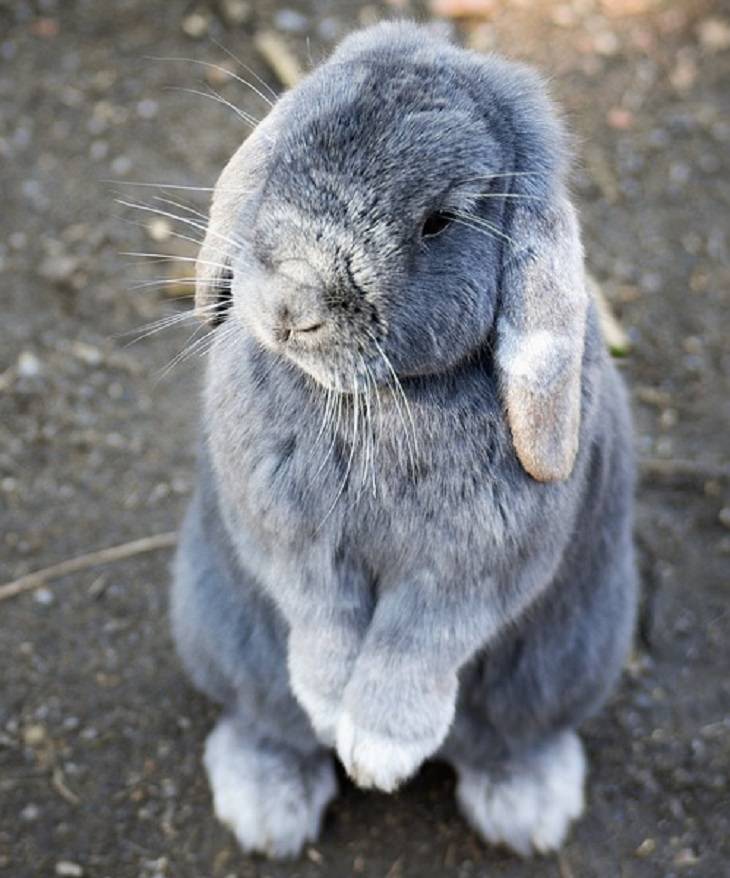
{"points": [[323, 425], [221, 69], [274, 94], [483, 223], [335, 431], [172, 258], [398, 387], [166, 213], [370, 424], [376, 433], [503, 195], [214, 96], [193, 315], [148, 185], [181, 206], [349, 459], [500, 176], [140, 225], [163, 282]]}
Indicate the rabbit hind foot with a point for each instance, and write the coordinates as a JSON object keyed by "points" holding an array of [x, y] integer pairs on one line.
{"points": [[272, 799], [529, 806]]}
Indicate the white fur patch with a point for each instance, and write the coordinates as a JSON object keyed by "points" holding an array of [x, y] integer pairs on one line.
{"points": [[539, 356], [374, 760], [531, 809], [273, 802]]}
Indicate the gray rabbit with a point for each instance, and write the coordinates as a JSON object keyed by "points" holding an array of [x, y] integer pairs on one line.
{"points": [[412, 530]]}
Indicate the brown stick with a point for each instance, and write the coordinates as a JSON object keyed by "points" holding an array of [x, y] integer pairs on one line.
{"points": [[83, 562], [276, 53]]}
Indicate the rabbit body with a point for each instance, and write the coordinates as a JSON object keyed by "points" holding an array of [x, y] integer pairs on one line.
{"points": [[403, 570]]}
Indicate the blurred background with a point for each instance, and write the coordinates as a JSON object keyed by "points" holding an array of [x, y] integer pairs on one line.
{"points": [[100, 736]]}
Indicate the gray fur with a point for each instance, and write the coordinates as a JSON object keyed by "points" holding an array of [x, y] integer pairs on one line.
{"points": [[377, 571]]}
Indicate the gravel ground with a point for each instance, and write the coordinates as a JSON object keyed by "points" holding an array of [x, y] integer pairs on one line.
{"points": [[100, 735]]}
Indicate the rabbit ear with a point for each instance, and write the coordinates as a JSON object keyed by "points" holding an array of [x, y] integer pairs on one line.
{"points": [[540, 335], [239, 180]]}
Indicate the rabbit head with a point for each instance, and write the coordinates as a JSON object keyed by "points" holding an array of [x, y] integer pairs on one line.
{"points": [[405, 208]]}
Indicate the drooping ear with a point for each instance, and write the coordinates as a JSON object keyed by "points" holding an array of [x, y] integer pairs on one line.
{"points": [[238, 182], [540, 334]]}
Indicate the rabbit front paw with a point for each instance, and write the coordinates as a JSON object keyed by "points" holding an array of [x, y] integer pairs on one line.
{"points": [[385, 757], [319, 668], [320, 706]]}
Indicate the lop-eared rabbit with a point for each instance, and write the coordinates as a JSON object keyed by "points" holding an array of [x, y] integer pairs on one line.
{"points": [[411, 535]]}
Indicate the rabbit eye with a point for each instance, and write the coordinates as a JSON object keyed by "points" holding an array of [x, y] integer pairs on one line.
{"points": [[435, 224]]}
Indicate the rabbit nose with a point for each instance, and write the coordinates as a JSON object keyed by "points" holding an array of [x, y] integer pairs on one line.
{"points": [[304, 327]]}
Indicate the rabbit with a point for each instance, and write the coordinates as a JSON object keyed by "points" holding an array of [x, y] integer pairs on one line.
{"points": [[411, 535]]}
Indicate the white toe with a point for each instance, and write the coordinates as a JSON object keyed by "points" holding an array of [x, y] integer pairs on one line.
{"points": [[374, 760]]}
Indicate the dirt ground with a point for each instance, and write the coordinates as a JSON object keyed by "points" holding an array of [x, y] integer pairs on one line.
{"points": [[100, 736]]}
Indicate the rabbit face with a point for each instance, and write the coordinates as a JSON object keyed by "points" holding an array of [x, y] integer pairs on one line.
{"points": [[375, 240], [401, 209]]}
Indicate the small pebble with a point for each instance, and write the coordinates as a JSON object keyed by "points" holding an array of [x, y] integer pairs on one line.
{"points": [[290, 20], [34, 735], [30, 813], [196, 25], [29, 366], [646, 848], [67, 869], [714, 34], [58, 269], [159, 229], [235, 12], [686, 857], [121, 165], [147, 109], [43, 596], [314, 855]]}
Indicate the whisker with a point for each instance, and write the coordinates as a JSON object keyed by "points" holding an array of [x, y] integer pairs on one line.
{"points": [[335, 431], [172, 234], [349, 460], [172, 258], [162, 282], [168, 321], [370, 425], [323, 425], [181, 206], [376, 433], [274, 94], [214, 96], [500, 176], [503, 195], [221, 69], [196, 225], [480, 221], [148, 185], [398, 387], [190, 345]]}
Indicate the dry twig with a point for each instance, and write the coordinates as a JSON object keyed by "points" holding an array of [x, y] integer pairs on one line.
{"points": [[277, 55], [83, 562]]}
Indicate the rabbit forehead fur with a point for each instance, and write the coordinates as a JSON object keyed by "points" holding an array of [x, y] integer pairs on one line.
{"points": [[397, 125]]}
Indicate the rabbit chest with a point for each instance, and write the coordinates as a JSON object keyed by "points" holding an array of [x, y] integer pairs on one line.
{"points": [[392, 478]]}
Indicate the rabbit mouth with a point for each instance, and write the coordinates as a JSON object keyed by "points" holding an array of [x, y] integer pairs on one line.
{"points": [[347, 372]]}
